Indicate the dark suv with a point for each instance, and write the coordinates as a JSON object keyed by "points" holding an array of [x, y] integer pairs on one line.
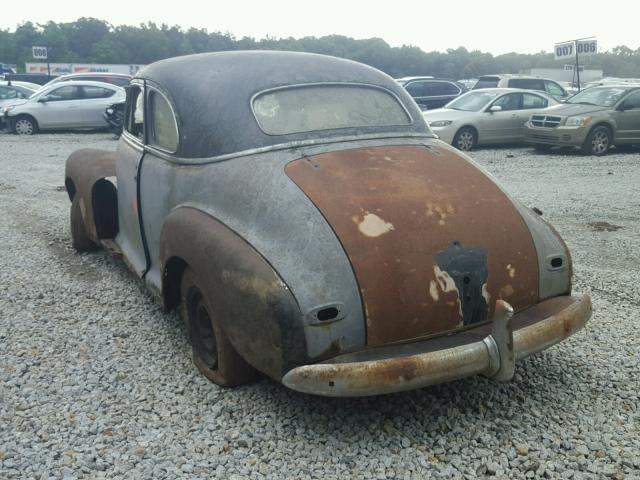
{"points": [[429, 92]]}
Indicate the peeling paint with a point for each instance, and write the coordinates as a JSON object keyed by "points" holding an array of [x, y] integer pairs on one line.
{"points": [[486, 294], [447, 284], [372, 225], [511, 270], [433, 291], [506, 291]]}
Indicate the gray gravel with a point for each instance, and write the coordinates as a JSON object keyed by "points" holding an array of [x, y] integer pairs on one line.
{"points": [[96, 382]]}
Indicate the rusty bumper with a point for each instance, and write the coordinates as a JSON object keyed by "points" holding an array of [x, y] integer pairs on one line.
{"points": [[490, 350]]}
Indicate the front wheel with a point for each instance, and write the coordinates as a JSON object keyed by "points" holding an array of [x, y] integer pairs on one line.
{"points": [[213, 353], [25, 125], [465, 139], [598, 142]]}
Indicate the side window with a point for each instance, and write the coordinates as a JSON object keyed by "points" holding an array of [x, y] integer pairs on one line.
{"points": [[7, 93], [533, 101], [135, 113], [527, 83], [64, 93], [164, 131], [440, 88], [417, 89], [554, 89], [510, 101], [632, 102], [97, 92]]}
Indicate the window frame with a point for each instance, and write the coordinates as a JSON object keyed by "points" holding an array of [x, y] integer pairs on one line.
{"points": [[129, 114], [60, 87], [328, 84], [149, 121], [533, 94]]}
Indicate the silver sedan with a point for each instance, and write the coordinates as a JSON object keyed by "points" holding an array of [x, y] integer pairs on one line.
{"points": [[64, 105], [488, 116]]}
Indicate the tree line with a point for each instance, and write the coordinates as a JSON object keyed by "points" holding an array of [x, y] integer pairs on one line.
{"points": [[90, 40]]}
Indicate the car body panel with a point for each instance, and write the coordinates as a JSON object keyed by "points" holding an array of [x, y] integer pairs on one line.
{"points": [[398, 212]]}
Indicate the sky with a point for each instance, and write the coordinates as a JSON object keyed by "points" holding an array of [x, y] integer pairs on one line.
{"points": [[494, 26]]}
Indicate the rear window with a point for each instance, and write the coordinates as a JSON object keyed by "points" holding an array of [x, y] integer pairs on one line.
{"points": [[527, 83], [327, 107], [486, 82]]}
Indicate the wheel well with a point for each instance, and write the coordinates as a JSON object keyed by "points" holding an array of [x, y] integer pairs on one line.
{"points": [[71, 188], [104, 198], [171, 280], [470, 127], [605, 125], [23, 115]]}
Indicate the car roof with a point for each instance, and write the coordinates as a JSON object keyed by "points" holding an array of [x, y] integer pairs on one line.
{"points": [[213, 103], [87, 83], [423, 77], [500, 90], [93, 74]]}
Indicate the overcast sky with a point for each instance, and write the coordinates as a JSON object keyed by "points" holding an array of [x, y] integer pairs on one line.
{"points": [[496, 26]]}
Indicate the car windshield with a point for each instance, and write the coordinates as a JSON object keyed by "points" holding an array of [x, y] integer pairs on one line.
{"points": [[472, 101], [600, 96], [327, 107]]}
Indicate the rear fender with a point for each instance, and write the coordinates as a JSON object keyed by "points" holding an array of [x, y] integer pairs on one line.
{"points": [[252, 304], [84, 171]]}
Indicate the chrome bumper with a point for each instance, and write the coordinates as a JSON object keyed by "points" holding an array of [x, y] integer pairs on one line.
{"points": [[493, 356]]}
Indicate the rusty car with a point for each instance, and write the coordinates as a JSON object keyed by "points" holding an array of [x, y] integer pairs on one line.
{"points": [[300, 215]]}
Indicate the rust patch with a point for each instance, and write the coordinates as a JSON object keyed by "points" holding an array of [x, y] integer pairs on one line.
{"points": [[430, 200]]}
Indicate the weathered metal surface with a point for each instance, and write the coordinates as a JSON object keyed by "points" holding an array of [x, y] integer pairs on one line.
{"points": [[502, 334], [395, 372], [396, 210], [249, 300], [82, 170]]}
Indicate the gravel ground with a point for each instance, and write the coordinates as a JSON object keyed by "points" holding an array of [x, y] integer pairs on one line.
{"points": [[96, 382]]}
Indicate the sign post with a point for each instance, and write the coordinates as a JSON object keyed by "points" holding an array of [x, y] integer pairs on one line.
{"points": [[571, 48], [41, 53]]}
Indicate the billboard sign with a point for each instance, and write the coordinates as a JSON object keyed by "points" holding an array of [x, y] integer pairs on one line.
{"points": [[39, 53], [565, 50]]}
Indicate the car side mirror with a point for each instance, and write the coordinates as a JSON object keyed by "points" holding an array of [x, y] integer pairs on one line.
{"points": [[495, 108], [44, 99]]}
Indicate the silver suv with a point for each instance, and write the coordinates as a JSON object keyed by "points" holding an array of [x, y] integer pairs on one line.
{"points": [[593, 120], [522, 81]]}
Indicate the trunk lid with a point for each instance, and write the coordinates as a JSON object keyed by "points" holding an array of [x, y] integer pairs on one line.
{"points": [[433, 242]]}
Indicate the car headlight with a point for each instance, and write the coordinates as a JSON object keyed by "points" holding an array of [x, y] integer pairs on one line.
{"points": [[577, 121], [440, 123]]}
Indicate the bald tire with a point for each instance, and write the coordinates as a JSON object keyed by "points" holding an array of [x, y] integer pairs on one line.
{"points": [[213, 353], [80, 239]]}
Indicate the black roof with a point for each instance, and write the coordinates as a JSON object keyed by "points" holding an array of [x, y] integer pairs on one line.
{"points": [[211, 94]]}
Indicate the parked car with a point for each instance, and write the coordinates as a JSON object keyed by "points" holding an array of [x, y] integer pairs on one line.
{"points": [[314, 229], [429, 92], [6, 68], [119, 79], [36, 78], [594, 120], [488, 116], [65, 105], [9, 94], [524, 82]]}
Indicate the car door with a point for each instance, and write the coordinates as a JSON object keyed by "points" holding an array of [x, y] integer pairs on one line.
{"points": [[417, 89], [628, 119], [61, 108], [130, 153], [94, 101], [503, 125]]}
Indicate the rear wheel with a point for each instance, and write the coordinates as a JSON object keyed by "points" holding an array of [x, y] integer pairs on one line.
{"points": [[598, 142], [465, 139], [25, 125], [213, 354], [80, 239]]}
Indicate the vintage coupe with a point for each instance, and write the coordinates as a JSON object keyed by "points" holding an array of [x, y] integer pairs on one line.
{"points": [[302, 217]]}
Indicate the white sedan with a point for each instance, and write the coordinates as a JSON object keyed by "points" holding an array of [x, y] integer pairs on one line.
{"points": [[64, 105], [487, 116]]}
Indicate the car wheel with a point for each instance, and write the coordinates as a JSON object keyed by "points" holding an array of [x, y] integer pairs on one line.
{"points": [[598, 142], [540, 147], [80, 239], [213, 353], [465, 139], [25, 125]]}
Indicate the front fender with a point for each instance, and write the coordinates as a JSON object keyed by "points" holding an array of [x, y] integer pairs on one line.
{"points": [[82, 170], [253, 306]]}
